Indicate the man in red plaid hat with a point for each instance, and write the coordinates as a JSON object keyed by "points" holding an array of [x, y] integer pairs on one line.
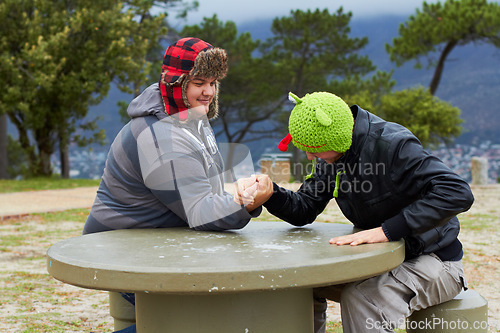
{"points": [[187, 59], [164, 168]]}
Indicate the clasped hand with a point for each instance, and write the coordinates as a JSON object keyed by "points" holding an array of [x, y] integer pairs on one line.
{"points": [[253, 191], [257, 189]]}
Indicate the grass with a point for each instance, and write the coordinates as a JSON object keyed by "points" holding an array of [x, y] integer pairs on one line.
{"points": [[37, 184], [41, 303], [77, 214], [479, 222], [333, 327], [32, 301]]}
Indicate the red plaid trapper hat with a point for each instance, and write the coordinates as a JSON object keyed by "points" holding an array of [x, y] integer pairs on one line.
{"points": [[178, 62]]}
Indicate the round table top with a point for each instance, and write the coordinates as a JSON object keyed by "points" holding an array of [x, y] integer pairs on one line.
{"points": [[261, 256]]}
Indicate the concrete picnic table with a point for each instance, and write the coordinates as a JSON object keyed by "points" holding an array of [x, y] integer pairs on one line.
{"points": [[257, 279]]}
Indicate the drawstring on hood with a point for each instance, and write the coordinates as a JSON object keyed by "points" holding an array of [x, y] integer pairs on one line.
{"points": [[337, 184], [315, 161], [337, 177]]}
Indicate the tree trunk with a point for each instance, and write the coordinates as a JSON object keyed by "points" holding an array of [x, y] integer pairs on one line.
{"points": [[3, 147], [44, 164], [440, 66], [33, 161], [64, 158], [63, 151]]}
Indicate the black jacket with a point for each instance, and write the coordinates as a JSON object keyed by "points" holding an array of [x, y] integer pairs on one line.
{"points": [[385, 179]]}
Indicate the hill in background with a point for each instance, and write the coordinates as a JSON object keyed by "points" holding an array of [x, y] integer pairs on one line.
{"points": [[470, 81]]}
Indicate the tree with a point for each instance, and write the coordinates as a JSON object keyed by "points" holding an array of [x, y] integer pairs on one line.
{"points": [[152, 18], [249, 96], [431, 120], [314, 52], [364, 92], [439, 28], [56, 59]]}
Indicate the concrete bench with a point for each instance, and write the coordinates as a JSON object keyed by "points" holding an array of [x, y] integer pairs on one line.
{"points": [[258, 279], [122, 311], [467, 312], [464, 310]]}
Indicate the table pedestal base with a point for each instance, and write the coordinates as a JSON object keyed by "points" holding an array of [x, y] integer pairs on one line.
{"points": [[289, 311]]}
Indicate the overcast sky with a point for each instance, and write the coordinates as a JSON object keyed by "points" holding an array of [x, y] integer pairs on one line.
{"points": [[249, 10]]}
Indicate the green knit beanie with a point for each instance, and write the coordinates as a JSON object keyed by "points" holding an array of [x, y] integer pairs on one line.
{"points": [[319, 122]]}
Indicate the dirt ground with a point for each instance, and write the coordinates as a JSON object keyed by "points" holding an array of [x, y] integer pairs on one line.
{"points": [[32, 301], [480, 237]]}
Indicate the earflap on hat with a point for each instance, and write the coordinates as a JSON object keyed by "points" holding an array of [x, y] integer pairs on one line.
{"points": [[213, 109], [210, 63], [172, 97]]}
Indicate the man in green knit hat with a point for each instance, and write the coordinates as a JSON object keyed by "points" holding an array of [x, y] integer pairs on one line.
{"points": [[386, 184]]}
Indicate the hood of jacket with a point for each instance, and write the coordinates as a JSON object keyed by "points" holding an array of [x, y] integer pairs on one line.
{"points": [[148, 103]]}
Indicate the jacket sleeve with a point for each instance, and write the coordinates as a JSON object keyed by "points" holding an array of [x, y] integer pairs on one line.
{"points": [[301, 207], [441, 194], [178, 178]]}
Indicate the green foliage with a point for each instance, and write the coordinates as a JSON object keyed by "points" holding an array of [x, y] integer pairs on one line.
{"points": [[314, 48], [122, 111], [438, 28], [18, 161], [462, 21], [151, 27], [59, 57], [43, 183], [309, 51], [312, 51], [433, 121], [250, 89], [364, 92]]}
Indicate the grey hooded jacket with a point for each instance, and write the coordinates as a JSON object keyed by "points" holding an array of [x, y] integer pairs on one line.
{"points": [[161, 172]]}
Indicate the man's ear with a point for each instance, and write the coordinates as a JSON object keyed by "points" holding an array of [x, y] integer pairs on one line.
{"points": [[294, 98], [323, 118]]}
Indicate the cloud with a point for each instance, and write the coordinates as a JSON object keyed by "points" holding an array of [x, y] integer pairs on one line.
{"points": [[241, 11]]}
